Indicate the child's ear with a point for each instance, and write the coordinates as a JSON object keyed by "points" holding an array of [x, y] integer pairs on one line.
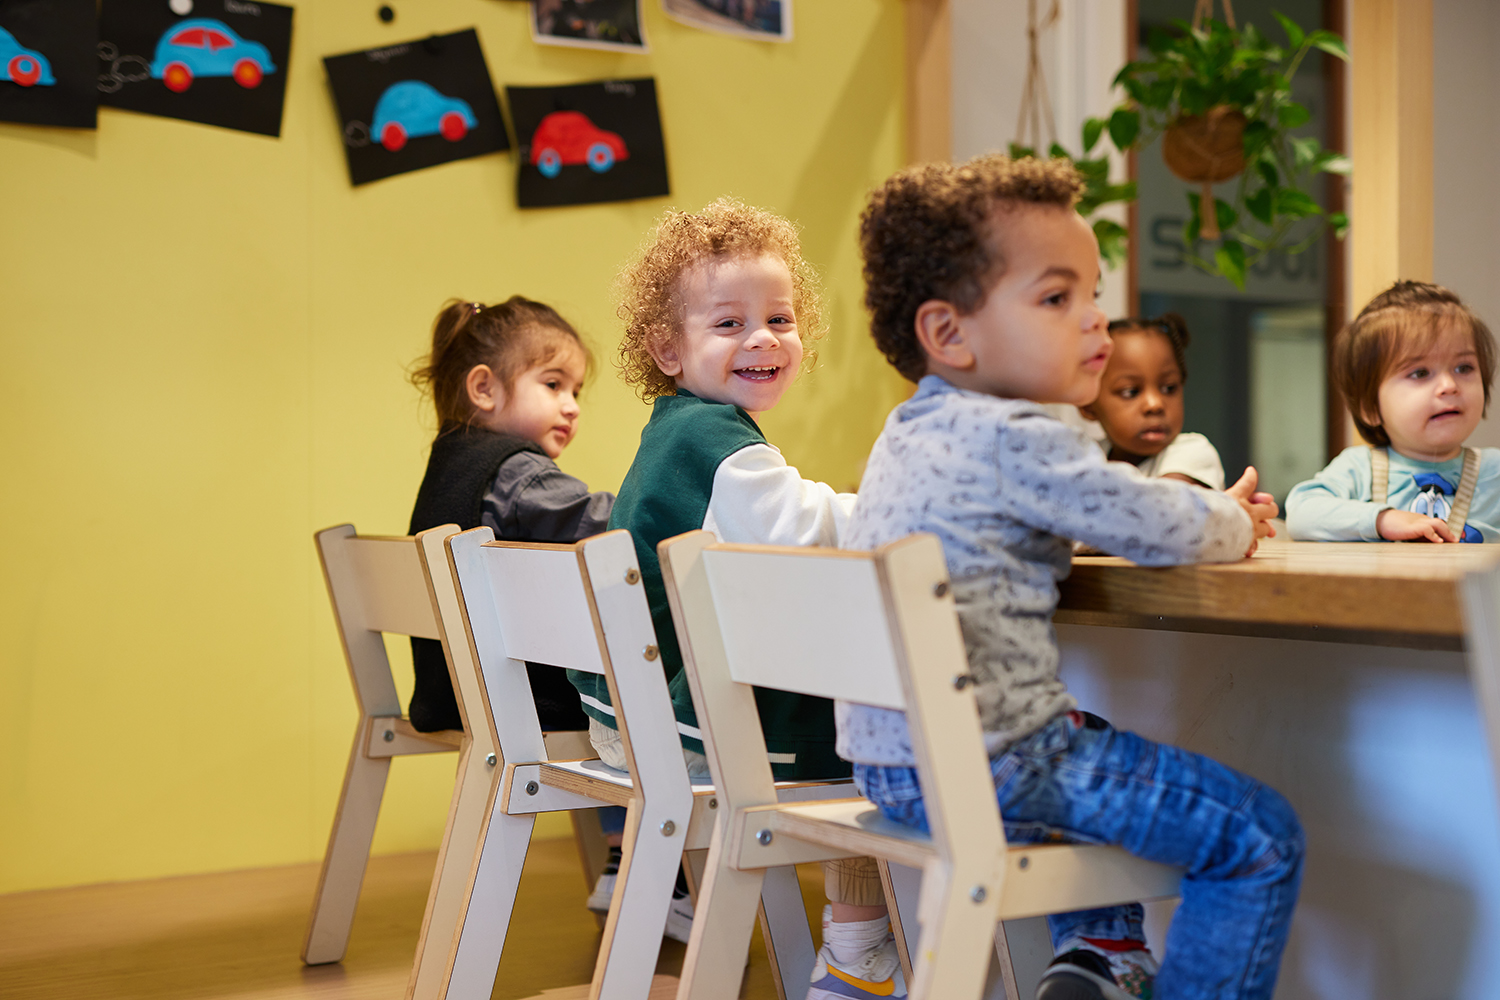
{"points": [[667, 356], [1373, 419], [942, 336], [1088, 412], [485, 391]]}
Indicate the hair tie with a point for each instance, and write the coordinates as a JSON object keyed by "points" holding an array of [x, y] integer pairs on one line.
{"points": [[477, 307]]}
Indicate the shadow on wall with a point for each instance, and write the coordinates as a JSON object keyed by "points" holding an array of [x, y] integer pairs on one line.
{"points": [[1382, 753]]}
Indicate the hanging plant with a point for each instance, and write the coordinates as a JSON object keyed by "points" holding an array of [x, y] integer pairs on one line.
{"points": [[1036, 108], [1220, 98]]}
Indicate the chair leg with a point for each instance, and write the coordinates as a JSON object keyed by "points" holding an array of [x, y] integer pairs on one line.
{"points": [[723, 921], [638, 912], [472, 793], [903, 887], [783, 924], [954, 956], [474, 955], [347, 854]]}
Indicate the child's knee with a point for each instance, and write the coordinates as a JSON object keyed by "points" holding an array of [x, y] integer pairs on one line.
{"points": [[1282, 842]]}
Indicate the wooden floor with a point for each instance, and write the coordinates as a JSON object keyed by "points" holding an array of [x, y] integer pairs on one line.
{"points": [[238, 935]]}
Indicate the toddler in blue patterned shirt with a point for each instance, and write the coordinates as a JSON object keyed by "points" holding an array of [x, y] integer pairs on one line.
{"points": [[980, 278]]}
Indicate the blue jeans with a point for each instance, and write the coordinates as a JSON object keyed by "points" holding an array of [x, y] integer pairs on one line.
{"points": [[1079, 780]]}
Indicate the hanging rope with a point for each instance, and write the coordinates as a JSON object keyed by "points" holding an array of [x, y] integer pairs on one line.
{"points": [[1205, 10], [1036, 105]]}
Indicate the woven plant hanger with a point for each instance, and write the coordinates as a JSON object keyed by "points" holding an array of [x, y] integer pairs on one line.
{"points": [[1208, 212], [1036, 105]]}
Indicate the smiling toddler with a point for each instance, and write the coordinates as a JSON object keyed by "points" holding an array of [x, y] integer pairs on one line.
{"points": [[1415, 369]]}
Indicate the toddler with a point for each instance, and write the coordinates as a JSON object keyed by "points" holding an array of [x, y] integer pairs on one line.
{"points": [[980, 279], [505, 381], [1414, 368], [717, 307], [1140, 403]]}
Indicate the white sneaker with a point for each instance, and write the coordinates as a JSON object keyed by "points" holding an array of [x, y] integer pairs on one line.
{"points": [[680, 918], [876, 974], [604, 891]]}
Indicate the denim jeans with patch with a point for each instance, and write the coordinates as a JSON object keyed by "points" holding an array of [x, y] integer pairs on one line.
{"points": [[1079, 780]]}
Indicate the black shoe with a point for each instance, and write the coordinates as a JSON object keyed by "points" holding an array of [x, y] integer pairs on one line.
{"points": [[1079, 975]]}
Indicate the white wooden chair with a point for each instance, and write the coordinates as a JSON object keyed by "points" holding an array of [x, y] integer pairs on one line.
{"points": [[880, 629], [582, 606], [380, 584]]}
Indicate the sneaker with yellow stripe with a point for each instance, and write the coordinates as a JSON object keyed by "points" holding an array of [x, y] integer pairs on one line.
{"points": [[876, 974]]}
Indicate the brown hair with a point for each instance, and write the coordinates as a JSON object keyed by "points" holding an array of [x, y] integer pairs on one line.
{"points": [[510, 337], [926, 235], [1409, 314], [650, 295], [1169, 325]]}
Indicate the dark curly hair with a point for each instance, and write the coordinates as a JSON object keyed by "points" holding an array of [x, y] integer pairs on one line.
{"points": [[1408, 316], [925, 235], [1170, 325]]}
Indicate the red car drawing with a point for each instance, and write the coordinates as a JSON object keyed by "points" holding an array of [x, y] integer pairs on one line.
{"points": [[569, 137]]}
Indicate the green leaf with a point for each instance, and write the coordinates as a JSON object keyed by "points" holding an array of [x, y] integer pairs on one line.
{"points": [[1267, 170], [1093, 128], [1124, 127], [1294, 203], [1226, 214], [1330, 43], [1020, 152], [1194, 227], [1293, 115], [1305, 151], [1260, 205], [1294, 32], [1057, 152], [1332, 162], [1230, 260], [1339, 223]]}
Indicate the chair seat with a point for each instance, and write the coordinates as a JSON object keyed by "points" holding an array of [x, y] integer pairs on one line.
{"points": [[1039, 878]]}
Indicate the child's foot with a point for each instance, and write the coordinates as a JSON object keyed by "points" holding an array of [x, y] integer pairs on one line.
{"points": [[604, 888], [850, 967], [1089, 969]]}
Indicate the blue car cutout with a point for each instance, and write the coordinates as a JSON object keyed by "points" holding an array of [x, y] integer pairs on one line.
{"points": [[22, 65], [412, 108], [202, 46]]}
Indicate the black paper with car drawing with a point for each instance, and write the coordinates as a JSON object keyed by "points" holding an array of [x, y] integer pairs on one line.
{"points": [[224, 63], [588, 142], [47, 74], [414, 105]]}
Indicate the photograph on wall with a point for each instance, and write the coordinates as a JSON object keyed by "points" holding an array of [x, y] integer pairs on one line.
{"points": [[591, 24], [47, 58], [767, 20], [588, 143], [415, 105], [219, 62]]}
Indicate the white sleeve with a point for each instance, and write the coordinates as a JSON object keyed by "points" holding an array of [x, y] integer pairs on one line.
{"points": [[758, 499], [1194, 456]]}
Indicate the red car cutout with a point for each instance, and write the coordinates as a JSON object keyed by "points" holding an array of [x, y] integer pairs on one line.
{"points": [[569, 137]]}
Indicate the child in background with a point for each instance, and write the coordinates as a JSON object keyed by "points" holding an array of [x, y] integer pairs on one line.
{"points": [[1140, 403], [717, 306], [505, 381], [1414, 369], [980, 279]]}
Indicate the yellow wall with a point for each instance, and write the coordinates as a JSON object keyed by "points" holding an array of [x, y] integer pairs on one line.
{"points": [[205, 335]]}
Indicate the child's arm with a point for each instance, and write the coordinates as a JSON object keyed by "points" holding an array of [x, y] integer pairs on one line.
{"points": [[1333, 506], [1192, 458], [758, 499], [1055, 480], [533, 500]]}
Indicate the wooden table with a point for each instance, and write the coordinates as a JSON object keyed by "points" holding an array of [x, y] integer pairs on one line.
{"points": [[1373, 744]]}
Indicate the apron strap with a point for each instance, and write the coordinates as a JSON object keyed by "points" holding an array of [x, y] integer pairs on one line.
{"points": [[1380, 475], [1458, 514]]}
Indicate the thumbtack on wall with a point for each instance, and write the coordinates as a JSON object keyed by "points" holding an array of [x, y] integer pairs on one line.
{"points": [[385, 13], [182, 8]]}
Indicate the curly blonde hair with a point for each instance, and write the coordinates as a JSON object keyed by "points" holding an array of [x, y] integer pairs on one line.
{"points": [[649, 286]]}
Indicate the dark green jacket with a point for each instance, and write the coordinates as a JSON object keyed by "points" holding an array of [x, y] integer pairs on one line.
{"points": [[666, 493]]}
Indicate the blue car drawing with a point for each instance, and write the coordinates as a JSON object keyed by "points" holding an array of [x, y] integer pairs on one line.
{"points": [[202, 46], [19, 64], [412, 108]]}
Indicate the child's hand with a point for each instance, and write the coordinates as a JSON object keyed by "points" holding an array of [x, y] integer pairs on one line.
{"points": [[1260, 506], [1404, 525]]}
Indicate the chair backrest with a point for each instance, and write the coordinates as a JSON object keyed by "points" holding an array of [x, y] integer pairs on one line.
{"points": [[376, 584], [579, 606], [878, 628]]}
